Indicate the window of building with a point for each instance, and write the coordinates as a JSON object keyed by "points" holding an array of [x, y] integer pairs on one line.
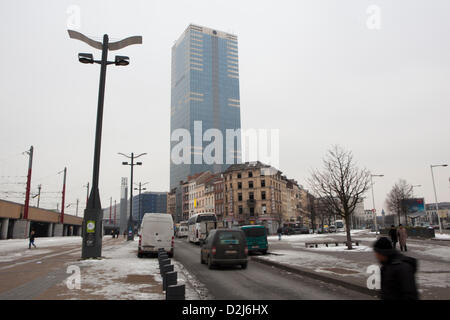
{"points": [[240, 196], [240, 209], [263, 195], [250, 184], [239, 185], [250, 174], [263, 208], [252, 211], [263, 183], [239, 175], [251, 196]]}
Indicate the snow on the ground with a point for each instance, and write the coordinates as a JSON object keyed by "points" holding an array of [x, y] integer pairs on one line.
{"points": [[442, 236], [107, 277], [299, 237], [313, 260], [331, 248], [312, 236], [22, 244], [112, 277], [23, 253]]}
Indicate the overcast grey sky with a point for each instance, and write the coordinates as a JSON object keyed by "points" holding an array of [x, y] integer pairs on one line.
{"points": [[312, 69]]}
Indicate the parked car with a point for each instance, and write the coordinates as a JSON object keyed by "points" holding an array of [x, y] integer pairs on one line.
{"points": [[332, 228], [256, 237], [225, 247], [287, 231], [156, 232], [302, 230], [323, 229]]}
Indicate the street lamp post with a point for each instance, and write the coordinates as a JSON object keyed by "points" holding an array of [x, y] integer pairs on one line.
{"points": [[435, 195], [93, 215], [373, 201], [139, 202], [132, 164]]}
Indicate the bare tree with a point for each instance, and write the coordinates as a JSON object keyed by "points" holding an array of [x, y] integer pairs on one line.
{"points": [[341, 184], [400, 191]]}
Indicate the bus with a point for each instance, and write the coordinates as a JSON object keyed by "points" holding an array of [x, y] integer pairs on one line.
{"points": [[340, 227], [198, 226]]}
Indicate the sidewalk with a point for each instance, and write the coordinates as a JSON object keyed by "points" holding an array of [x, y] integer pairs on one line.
{"points": [[119, 274], [349, 267]]}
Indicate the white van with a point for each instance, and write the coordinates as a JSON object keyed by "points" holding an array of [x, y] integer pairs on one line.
{"points": [[156, 232]]}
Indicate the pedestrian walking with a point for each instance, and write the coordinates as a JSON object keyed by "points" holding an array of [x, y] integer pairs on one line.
{"points": [[279, 231], [393, 235], [397, 272], [402, 236], [124, 234], [32, 236]]}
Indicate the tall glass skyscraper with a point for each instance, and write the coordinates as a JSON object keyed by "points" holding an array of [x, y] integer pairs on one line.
{"points": [[205, 92]]}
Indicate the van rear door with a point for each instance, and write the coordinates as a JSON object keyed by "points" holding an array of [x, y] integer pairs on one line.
{"points": [[229, 245], [157, 234]]}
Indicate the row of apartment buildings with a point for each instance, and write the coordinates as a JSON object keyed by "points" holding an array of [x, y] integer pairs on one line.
{"points": [[247, 193]]}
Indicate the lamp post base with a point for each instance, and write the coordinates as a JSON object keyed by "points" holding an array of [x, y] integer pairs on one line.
{"points": [[92, 233]]}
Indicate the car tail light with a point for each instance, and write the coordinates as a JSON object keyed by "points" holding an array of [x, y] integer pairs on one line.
{"points": [[246, 251], [172, 241], [213, 250], [140, 240]]}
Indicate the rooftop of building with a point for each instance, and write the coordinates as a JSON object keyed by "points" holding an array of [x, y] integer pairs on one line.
{"points": [[269, 170], [206, 30]]}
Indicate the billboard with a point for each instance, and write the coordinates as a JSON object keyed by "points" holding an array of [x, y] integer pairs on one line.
{"points": [[414, 207]]}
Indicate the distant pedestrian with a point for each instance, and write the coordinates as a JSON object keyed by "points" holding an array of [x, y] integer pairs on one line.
{"points": [[32, 236], [402, 236], [397, 272], [393, 235], [279, 231], [124, 234]]}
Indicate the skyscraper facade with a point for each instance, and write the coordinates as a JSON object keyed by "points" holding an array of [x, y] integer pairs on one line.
{"points": [[205, 95]]}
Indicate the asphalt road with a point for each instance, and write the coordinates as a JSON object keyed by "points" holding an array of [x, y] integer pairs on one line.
{"points": [[258, 281]]}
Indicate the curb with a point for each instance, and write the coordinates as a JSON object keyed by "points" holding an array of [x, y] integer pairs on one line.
{"points": [[314, 275]]}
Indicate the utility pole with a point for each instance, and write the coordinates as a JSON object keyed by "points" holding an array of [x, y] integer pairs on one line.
{"points": [[87, 193], [374, 211], [63, 196], [39, 194], [435, 195], [110, 210], [139, 201], [132, 164], [115, 207], [76, 212], [27, 193]]}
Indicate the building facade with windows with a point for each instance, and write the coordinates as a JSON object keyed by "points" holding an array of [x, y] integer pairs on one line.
{"points": [[204, 95], [148, 202]]}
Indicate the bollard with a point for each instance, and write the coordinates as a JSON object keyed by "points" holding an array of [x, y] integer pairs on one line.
{"points": [[163, 263], [162, 253], [166, 268], [163, 256], [169, 279], [176, 292], [161, 266]]}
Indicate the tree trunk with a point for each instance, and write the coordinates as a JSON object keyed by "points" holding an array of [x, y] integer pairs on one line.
{"points": [[347, 230]]}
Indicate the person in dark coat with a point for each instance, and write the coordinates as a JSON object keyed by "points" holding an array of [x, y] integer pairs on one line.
{"points": [[32, 236], [393, 235], [279, 231], [397, 272]]}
